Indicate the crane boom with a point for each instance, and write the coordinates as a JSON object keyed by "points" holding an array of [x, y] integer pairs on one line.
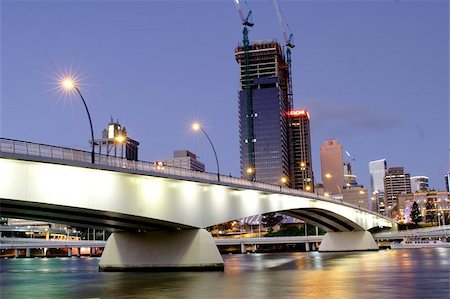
{"points": [[245, 20], [288, 40], [289, 45]]}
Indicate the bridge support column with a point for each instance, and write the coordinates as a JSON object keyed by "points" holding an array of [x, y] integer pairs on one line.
{"points": [[243, 248], [348, 241], [69, 252], [192, 249], [16, 253], [306, 246], [28, 252]]}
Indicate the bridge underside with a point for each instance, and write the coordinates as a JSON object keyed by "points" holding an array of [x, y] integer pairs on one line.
{"points": [[83, 217], [326, 220]]}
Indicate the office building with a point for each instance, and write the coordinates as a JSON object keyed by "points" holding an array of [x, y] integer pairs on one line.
{"points": [[332, 166], [263, 109], [186, 160], [300, 150], [396, 182], [419, 183], [377, 170]]}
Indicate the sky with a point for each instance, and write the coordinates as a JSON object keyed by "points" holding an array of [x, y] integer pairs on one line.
{"points": [[373, 74]]}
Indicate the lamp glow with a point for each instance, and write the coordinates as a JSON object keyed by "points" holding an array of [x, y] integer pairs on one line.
{"points": [[68, 84]]}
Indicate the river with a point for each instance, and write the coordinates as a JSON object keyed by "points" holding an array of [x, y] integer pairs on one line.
{"points": [[404, 273]]}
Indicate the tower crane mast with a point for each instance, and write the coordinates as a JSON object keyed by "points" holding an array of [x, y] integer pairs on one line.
{"points": [[246, 23], [288, 41]]}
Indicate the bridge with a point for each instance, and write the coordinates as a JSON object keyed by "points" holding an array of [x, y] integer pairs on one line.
{"points": [[158, 214]]}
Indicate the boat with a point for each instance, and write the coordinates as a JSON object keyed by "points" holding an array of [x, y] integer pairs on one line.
{"points": [[418, 242]]}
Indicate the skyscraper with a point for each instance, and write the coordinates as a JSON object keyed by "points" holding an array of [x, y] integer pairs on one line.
{"points": [[300, 150], [396, 182], [332, 166], [263, 108], [377, 170]]}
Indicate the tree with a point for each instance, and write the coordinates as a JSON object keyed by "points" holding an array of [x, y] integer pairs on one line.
{"points": [[415, 214], [271, 219], [431, 211]]}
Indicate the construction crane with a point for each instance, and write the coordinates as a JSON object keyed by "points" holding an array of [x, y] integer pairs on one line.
{"points": [[246, 23], [288, 40]]}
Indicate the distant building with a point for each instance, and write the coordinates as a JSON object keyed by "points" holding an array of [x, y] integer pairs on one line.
{"points": [[377, 170], [116, 142], [447, 182], [419, 183], [441, 199], [263, 102], [332, 166], [396, 182], [300, 159], [185, 159], [352, 192], [356, 195]]}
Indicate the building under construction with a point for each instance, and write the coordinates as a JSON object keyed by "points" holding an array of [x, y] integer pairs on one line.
{"points": [[263, 112]]}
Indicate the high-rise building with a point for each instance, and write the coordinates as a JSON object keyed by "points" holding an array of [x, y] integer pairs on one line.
{"points": [[263, 108], [377, 170], [185, 159], [300, 150], [419, 183], [396, 182], [332, 166]]}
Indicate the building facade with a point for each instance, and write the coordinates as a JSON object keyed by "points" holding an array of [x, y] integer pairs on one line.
{"points": [[396, 182], [186, 160], [440, 199], [300, 150], [377, 170], [263, 109], [332, 166], [419, 184]]}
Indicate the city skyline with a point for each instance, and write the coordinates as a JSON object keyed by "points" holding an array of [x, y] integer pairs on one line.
{"points": [[365, 71]]}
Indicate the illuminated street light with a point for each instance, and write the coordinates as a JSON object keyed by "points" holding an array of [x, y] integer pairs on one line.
{"points": [[328, 176], [68, 84], [197, 127]]}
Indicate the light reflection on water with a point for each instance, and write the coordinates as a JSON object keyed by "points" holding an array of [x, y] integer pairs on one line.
{"points": [[415, 273]]}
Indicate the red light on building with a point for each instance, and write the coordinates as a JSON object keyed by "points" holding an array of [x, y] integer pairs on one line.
{"points": [[298, 113]]}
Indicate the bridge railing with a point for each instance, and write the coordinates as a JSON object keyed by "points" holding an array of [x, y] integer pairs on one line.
{"points": [[62, 153]]}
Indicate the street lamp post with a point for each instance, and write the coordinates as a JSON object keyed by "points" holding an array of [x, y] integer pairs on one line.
{"points": [[196, 127], [69, 85]]}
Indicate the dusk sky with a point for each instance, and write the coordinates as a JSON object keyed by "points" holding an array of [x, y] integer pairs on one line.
{"points": [[373, 74]]}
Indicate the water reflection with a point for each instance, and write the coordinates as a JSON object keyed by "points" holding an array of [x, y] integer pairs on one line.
{"points": [[417, 273]]}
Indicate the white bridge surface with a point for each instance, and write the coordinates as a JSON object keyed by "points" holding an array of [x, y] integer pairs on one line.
{"points": [[126, 199]]}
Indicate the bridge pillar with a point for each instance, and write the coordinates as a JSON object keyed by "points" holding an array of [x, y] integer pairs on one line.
{"points": [[192, 249], [69, 252], [16, 253], [243, 248], [348, 241], [28, 252], [306, 246]]}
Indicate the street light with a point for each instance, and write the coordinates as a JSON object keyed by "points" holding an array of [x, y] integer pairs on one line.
{"points": [[69, 85], [196, 127]]}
